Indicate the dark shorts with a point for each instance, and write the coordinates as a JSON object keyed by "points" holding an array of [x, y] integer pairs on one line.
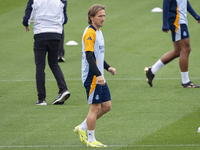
{"points": [[97, 94], [179, 33]]}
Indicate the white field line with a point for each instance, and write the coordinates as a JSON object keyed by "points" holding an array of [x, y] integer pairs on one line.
{"points": [[60, 146], [79, 79]]}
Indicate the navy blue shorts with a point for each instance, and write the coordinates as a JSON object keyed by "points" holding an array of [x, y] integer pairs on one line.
{"points": [[97, 93], [179, 33]]}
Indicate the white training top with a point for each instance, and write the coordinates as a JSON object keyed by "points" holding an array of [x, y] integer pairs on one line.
{"points": [[47, 16], [93, 41]]}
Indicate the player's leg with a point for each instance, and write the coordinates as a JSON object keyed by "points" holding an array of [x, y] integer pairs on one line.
{"points": [[40, 55], [106, 101], [183, 63], [184, 54], [99, 110], [105, 107], [81, 129], [184, 59], [53, 46], [95, 112], [166, 58], [169, 56], [183, 41], [100, 105]]}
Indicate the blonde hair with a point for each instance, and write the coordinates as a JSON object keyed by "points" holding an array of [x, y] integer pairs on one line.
{"points": [[93, 11]]}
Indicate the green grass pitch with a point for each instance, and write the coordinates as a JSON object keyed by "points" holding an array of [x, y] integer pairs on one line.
{"points": [[165, 117]]}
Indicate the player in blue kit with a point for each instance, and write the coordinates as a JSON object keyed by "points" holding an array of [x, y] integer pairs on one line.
{"points": [[175, 19], [93, 65]]}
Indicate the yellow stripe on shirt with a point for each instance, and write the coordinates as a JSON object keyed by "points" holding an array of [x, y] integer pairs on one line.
{"points": [[176, 23], [89, 39]]}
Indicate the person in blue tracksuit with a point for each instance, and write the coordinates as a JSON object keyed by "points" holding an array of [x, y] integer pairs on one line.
{"points": [[175, 19], [49, 16]]}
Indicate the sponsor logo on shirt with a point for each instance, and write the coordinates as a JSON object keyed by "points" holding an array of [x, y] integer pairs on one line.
{"points": [[89, 38], [101, 48]]}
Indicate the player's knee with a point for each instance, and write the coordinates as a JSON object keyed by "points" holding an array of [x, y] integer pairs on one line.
{"points": [[188, 49], [98, 109], [107, 108], [95, 108], [177, 52]]}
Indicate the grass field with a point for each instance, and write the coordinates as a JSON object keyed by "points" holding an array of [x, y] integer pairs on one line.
{"points": [[165, 117]]}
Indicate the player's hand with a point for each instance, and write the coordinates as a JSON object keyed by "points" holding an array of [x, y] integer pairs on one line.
{"points": [[27, 29], [166, 31], [197, 18], [100, 80], [112, 70]]}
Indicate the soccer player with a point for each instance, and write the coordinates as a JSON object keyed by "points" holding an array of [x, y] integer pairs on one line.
{"points": [[93, 65], [175, 19], [49, 17]]}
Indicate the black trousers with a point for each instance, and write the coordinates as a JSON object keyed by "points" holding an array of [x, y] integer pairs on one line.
{"points": [[41, 48], [61, 49]]}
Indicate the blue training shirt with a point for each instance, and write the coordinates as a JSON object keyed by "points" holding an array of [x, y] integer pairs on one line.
{"points": [[175, 13]]}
